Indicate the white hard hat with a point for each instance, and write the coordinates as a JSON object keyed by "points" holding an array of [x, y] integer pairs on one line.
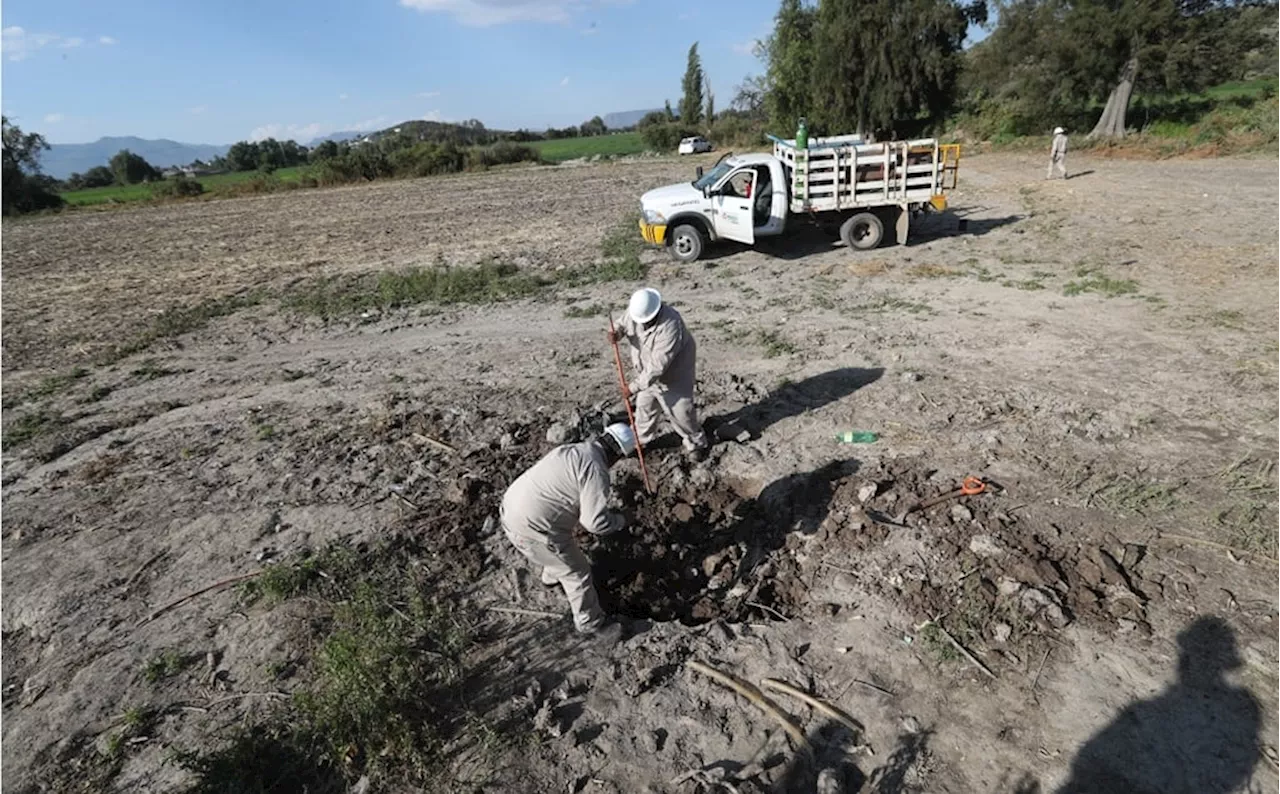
{"points": [[645, 305], [623, 435], [1058, 130]]}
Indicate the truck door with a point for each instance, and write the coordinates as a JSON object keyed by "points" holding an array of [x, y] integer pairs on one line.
{"points": [[731, 206]]}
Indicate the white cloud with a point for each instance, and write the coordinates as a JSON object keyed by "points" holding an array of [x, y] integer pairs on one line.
{"points": [[18, 44], [74, 41], [198, 110], [298, 132], [427, 94], [107, 40], [482, 13], [368, 124], [565, 81], [53, 118], [746, 47], [342, 97], [431, 115]]}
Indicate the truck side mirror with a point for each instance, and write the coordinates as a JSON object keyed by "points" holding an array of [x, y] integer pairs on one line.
{"points": [[698, 171]]}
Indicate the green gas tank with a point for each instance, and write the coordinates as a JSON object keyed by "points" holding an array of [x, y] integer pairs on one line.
{"points": [[802, 135]]}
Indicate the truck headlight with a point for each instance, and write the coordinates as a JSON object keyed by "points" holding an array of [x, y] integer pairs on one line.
{"points": [[654, 217]]}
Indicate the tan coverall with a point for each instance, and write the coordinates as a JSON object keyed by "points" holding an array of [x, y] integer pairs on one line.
{"points": [[665, 359], [1058, 155], [569, 486]]}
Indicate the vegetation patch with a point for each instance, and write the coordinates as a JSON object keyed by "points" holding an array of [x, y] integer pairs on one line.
{"points": [[381, 693]]}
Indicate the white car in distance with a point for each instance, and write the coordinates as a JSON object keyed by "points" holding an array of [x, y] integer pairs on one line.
{"points": [[694, 145]]}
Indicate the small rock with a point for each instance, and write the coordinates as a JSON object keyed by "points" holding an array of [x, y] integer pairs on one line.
{"points": [[910, 725], [866, 492], [910, 377], [960, 514], [831, 781], [985, 546], [1054, 616], [712, 562], [649, 740], [1000, 632], [1033, 600], [559, 433], [683, 513], [507, 441]]}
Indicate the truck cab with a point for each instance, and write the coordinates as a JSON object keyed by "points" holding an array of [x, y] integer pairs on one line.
{"points": [[740, 198], [840, 183]]}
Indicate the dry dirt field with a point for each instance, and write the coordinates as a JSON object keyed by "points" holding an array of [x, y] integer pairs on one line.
{"points": [[1102, 350]]}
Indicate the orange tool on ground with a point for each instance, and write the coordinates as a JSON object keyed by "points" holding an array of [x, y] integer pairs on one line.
{"points": [[970, 487], [626, 400]]}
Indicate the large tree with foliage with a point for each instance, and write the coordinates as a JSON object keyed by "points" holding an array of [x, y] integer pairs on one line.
{"points": [[130, 169], [691, 100], [1163, 45], [789, 55], [1047, 59], [883, 64], [25, 189]]}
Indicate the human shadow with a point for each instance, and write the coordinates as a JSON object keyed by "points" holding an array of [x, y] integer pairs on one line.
{"points": [[1199, 735], [791, 400], [1080, 174]]}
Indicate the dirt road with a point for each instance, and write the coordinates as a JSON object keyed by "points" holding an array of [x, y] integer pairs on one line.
{"points": [[1102, 349]]}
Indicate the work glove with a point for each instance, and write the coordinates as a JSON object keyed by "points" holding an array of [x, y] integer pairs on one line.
{"points": [[616, 523]]}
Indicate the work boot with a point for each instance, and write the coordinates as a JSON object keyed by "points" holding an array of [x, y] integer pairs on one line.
{"points": [[607, 635], [548, 582]]}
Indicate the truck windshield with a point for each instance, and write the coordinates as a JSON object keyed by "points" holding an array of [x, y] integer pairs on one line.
{"points": [[713, 176]]}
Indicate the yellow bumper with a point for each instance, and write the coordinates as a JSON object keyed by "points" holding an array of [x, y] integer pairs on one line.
{"points": [[939, 202], [653, 233]]}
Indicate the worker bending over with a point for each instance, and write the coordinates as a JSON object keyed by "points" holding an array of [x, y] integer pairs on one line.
{"points": [[665, 358], [569, 486]]}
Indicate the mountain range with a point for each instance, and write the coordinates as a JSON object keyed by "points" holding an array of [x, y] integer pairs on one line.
{"points": [[62, 160]]}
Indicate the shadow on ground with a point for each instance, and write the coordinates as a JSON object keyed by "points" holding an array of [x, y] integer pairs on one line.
{"points": [[792, 400]]}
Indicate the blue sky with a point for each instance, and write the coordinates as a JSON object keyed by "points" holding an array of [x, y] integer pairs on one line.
{"points": [[218, 72]]}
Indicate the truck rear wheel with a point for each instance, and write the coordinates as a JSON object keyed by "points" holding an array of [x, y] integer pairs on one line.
{"points": [[863, 231], [687, 243]]}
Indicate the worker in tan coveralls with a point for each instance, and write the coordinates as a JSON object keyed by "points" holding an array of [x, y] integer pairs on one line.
{"points": [[665, 359], [569, 486], [1058, 153]]}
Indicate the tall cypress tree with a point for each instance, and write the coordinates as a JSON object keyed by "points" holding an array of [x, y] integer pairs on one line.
{"points": [[691, 102]]}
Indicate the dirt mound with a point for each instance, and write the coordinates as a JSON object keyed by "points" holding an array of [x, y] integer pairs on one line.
{"points": [[703, 549]]}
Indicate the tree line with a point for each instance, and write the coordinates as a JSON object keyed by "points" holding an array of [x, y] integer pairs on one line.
{"points": [[899, 68]]}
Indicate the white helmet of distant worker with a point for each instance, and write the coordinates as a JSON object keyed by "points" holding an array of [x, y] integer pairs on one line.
{"points": [[623, 437], [1058, 130], [645, 305]]}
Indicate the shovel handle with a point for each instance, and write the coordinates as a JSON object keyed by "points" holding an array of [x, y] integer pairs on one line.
{"points": [[626, 400]]}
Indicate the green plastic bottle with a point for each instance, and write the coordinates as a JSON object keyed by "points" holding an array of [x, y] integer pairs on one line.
{"points": [[802, 135], [857, 437]]}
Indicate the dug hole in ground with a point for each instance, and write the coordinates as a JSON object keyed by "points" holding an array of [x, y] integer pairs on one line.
{"points": [[1102, 350]]}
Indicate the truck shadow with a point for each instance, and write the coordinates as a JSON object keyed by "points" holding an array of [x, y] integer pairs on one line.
{"points": [[810, 241], [957, 224]]}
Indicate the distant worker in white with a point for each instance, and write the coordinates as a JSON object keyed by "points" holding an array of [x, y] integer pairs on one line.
{"points": [[1058, 153], [569, 486], [665, 359]]}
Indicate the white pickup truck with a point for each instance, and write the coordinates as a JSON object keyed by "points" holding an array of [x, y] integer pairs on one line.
{"points": [[839, 183]]}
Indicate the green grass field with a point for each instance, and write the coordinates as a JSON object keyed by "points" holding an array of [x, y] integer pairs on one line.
{"points": [[618, 143], [127, 193]]}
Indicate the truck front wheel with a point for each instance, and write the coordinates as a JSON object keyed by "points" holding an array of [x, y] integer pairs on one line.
{"points": [[686, 243], [863, 231]]}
